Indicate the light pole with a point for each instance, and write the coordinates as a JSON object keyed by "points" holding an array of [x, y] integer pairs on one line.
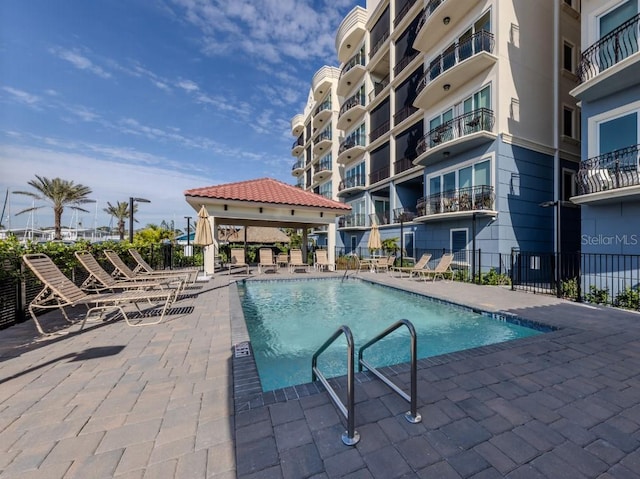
{"points": [[131, 201], [188, 250], [557, 204]]}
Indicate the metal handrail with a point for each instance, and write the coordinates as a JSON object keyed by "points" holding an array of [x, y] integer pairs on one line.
{"points": [[413, 416], [350, 437]]}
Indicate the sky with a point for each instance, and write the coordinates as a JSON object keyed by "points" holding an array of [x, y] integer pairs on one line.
{"points": [[149, 98]]}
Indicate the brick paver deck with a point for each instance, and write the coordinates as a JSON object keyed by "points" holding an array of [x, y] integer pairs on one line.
{"points": [[154, 402]]}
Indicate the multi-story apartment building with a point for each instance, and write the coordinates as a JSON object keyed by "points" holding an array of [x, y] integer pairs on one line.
{"points": [[608, 187], [456, 123]]}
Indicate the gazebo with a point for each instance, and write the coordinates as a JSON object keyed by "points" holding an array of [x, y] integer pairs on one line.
{"points": [[265, 202]]}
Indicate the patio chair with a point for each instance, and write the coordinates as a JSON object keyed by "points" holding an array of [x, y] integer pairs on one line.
{"points": [[99, 280], [421, 266], [297, 262], [442, 269], [282, 259], [143, 267], [237, 260], [385, 264], [322, 262], [266, 261], [122, 271], [59, 292], [367, 264]]}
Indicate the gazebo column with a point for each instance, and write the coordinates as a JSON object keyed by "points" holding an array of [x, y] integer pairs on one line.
{"points": [[331, 242], [210, 253], [305, 242]]}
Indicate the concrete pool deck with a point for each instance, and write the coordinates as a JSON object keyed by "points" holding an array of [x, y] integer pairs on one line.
{"points": [[154, 402]]}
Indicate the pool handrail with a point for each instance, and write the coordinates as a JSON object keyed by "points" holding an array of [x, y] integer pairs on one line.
{"points": [[351, 436], [413, 416]]}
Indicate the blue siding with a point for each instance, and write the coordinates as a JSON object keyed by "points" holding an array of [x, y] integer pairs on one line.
{"points": [[611, 228]]}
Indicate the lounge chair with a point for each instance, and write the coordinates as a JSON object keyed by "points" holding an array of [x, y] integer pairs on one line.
{"points": [[122, 271], [266, 261], [99, 280], [143, 267], [421, 266], [60, 292], [322, 262], [237, 259], [296, 261], [442, 269]]}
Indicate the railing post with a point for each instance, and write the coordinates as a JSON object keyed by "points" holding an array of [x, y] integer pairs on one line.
{"points": [[512, 272]]}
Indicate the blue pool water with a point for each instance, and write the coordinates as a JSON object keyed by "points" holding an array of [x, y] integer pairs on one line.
{"points": [[289, 320]]}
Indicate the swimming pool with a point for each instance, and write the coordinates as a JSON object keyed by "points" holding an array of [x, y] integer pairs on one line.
{"points": [[288, 321]]}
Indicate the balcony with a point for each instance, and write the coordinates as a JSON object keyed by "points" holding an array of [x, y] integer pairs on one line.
{"points": [[323, 141], [378, 45], [323, 170], [351, 147], [609, 177], [403, 215], [322, 114], [455, 204], [352, 73], [357, 221], [379, 131], [378, 88], [351, 33], [351, 111], [322, 80], [298, 168], [351, 185], [402, 64], [298, 146], [611, 64], [455, 67], [403, 114], [297, 125], [402, 165], [403, 13], [379, 175], [439, 19], [457, 135]]}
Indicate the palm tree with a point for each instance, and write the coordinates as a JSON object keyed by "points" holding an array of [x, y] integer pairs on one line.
{"points": [[120, 211], [60, 193]]}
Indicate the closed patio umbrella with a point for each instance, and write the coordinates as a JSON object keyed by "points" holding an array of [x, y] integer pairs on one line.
{"points": [[374, 242], [203, 236]]}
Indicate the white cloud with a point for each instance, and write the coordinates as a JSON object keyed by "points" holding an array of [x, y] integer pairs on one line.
{"points": [[22, 96], [80, 61], [188, 85]]}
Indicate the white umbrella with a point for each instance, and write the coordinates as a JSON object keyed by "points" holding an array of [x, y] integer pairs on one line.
{"points": [[374, 242], [204, 236]]}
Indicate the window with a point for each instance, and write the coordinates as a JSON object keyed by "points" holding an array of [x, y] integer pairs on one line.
{"points": [[381, 206], [408, 243], [618, 133], [567, 57], [478, 174], [326, 190], [354, 243], [568, 184], [459, 240], [355, 176], [567, 122]]}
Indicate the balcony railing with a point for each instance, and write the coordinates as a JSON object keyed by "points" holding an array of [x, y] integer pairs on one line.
{"points": [[378, 44], [379, 131], [325, 105], [613, 170], [401, 65], [403, 12], [403, 114], [357, 59], [355, 100], [380, 218], [463, 199], [402, 164], [324, 165], [379, 175], [298, 142], [610, 49], [481, 119], [378, 86], [352, 182], [481, 41], [323, 135], [298, 165], [428, 11], [352, 220], [403, 215], [351, 141]]}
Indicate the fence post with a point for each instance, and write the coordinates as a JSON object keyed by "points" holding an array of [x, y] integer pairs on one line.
{"points": [[479, 266], [512, 271]]}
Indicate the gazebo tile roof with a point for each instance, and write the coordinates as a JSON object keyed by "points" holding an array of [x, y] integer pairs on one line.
{"points": [[266, 190]]}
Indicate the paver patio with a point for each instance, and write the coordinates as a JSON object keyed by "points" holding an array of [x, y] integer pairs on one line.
{"points": [[154, 402]]}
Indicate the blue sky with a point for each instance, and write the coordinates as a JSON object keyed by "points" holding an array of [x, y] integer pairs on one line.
{"points": [[148, 98]]}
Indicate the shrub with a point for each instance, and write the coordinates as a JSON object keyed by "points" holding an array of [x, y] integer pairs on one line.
{"points": [[597, 295], [629, 298]]}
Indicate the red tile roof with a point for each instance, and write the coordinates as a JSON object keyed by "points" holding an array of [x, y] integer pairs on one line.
{"points": [[266, 190]]}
